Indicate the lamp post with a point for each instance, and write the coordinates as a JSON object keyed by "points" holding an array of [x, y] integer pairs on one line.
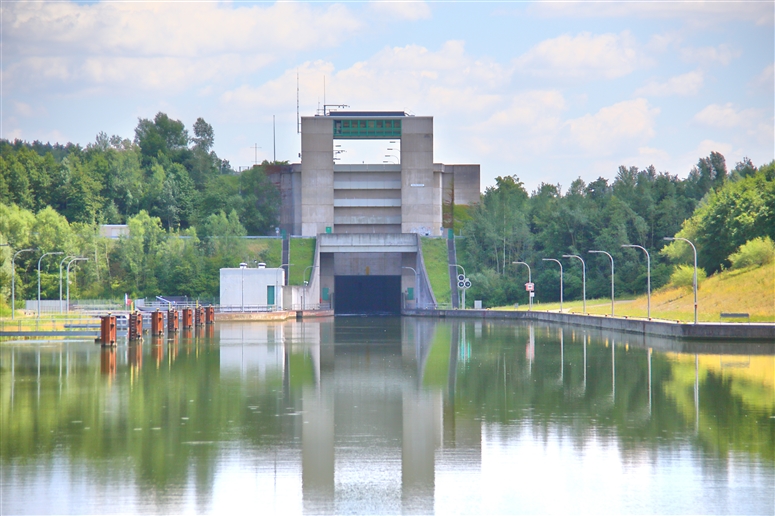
{"points": [[529, 280], [39, 260], [583, 279], [560, 264], [13, 279], [695, 272], [76, 259], [464, 292], [612, 278], [648, 276], [416, 283], [60, 279], [306, 285]]}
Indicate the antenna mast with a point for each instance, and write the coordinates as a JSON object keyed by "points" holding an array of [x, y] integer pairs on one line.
{"points": [[298, 119]]}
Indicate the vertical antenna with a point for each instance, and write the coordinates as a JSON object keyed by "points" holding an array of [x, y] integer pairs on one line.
{"points": [[324, 95], [274, 143], [298, 120], [255, 158]]}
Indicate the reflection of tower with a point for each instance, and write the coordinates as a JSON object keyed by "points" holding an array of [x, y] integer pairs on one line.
{"points": [[421, 428]]}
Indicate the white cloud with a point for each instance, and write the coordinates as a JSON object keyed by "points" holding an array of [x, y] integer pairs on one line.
{"points": [[765, 80], [721, 54], [584, 56], [760, 13], [686, 84], [622, 124], [118, 42], [402, 10], [716, 115], [412, 78]]}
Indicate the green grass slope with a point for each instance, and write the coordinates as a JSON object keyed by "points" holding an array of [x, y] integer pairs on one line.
{"points": [[750, 290], [434, 254], [302, 256]]}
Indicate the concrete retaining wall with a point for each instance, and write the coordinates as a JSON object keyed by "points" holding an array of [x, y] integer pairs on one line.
{"points": [[704, 331]]}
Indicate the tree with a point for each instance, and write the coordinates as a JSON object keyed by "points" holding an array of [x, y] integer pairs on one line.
{"points": [[261, 201]]}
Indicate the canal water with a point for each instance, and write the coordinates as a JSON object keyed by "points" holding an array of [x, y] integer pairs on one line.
{"points": [[388, 415]]}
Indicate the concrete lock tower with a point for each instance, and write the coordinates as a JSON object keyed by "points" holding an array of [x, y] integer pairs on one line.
{"points": [[368, 218]]}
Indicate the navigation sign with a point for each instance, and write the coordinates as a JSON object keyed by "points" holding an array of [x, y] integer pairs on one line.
{"points": [[530, 287], [461, 277]]}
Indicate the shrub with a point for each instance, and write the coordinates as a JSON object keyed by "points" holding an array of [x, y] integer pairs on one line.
{"points": [[758, 251], [683, 276]]}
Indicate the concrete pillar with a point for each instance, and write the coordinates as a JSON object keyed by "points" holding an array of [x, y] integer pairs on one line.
{"points": [[317, 175], [417, 178]]}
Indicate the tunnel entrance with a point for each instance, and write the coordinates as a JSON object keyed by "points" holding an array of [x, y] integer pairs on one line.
{"points": [[367, 295]]}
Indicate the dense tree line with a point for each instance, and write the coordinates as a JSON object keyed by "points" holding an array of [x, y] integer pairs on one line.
{"points": [[717, 209], [163, 171], [186, 209]]}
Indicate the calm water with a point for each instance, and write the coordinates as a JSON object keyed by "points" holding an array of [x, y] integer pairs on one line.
{"points": [[388, 415]]}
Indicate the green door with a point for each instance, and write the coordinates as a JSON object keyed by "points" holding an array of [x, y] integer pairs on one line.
{"points": [[270, 295]]}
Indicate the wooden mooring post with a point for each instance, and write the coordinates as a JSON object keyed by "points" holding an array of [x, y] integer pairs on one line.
{"points": [[108, 330], [188, 318], [172, 320], [135, 329], [157, 323]]}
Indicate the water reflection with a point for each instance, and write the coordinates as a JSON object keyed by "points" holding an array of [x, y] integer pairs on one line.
{"points": [[388, 415]]}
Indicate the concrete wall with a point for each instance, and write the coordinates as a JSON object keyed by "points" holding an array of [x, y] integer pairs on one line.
{"points": [[317, 175], [418, 205], [465, 179], [704, 331], [248, 287]]}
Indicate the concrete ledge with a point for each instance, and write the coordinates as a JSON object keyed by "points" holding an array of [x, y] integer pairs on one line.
{"points": [[255, 316], [312, 314], [704, 331]]}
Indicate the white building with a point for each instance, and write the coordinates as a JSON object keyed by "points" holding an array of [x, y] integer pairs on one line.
{"points": [[245, 289]]}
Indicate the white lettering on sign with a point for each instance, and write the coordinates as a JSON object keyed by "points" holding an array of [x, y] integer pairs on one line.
{"points": [[418, 184]]}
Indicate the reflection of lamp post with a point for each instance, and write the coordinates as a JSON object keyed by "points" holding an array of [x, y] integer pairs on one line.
{"points": [[416, 289], [560, 264], [648, 276], [695, 272], [39, 260], [612, 277], [583, 279], [76, 259], [13, 279], [529, 280]]}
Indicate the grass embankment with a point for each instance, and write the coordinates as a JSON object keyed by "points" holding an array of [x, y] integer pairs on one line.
{"points": [[749, 290], [302, 256], [434, 254], [267, 250]]}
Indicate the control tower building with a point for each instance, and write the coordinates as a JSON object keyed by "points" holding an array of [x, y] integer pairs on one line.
{"points": [[368, 218]]}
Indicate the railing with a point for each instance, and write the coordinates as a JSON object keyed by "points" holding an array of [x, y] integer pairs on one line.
{"points": [[246, 308]]}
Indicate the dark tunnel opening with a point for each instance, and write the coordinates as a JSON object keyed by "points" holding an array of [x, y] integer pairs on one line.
{"points": [[367, 295]]}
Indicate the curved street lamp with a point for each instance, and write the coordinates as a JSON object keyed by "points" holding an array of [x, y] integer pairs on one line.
{"points": [[306, 285], [75, 259], [416, 284], [560, 264], [695, 271], [39, 260], [458, 292], [583, 279], [67, 257], [529, 280], [648, 275], [612, 277], [13, 279]]}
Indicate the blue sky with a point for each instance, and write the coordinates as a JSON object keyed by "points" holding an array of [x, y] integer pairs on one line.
{"points": [[549, 91]]}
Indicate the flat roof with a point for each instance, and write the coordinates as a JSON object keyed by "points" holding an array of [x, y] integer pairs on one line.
{"points": [[366, 114]]}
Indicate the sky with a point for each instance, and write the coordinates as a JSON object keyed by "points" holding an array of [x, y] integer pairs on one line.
{"points": [[546, 91]]}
